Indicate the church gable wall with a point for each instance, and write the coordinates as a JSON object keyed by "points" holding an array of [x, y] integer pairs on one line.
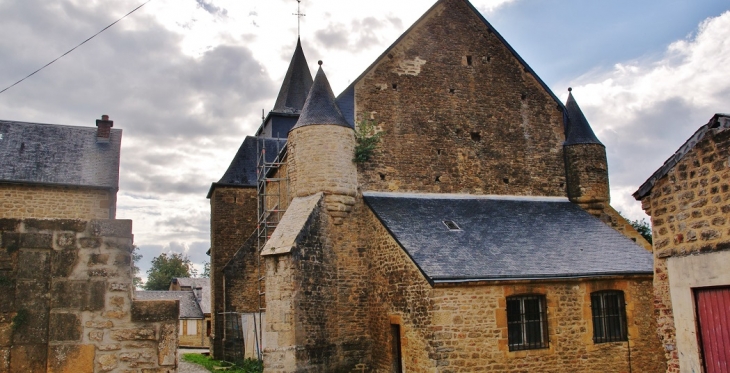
{"points": [[461, 114]]}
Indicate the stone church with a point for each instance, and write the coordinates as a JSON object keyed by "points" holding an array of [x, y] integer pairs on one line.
{"points": [[477, 237]]}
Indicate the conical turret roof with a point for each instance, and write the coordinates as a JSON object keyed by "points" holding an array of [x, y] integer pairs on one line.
{"points": [[296, 85], [577, 129], [321, 107]]}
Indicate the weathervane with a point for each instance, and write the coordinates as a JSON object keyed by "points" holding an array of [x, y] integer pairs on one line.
{"points": [[299, 15]]}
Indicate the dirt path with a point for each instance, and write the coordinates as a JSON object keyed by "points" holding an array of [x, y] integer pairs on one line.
{"points": [[184, 366]]}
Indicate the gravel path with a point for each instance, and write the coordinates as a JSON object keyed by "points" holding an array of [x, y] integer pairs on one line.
{"points": [[184, 366]]}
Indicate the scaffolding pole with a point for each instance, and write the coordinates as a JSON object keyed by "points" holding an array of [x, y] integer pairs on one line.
{"points": [[272, 201]]}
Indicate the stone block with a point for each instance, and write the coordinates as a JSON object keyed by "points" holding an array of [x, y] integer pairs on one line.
{"points": [[159, 370], [7, 292], [73, 225], [107, 362], [112, 228], [9, 225], [11, 241], [66, 240], [167, 347], [64, 327], [155, 310], [116, 286], [96, 335], [110, 347], [30, 326], [90, 242], [63, 262], [28, 358], [104, 324], [36, 241], [139, 334], [6, 333], [34, 265], [4, 359], [79, 295], [71, 359], [98, 259]]}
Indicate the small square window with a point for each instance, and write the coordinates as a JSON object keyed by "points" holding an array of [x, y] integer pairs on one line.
{"points": [[527, 322], [609, 316]]}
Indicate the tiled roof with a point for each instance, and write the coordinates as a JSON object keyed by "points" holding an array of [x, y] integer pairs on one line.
{"points": [[242, 170], [577, 129], [505, 237], [189, 308], [321, 107], [58, 154], [719, 122], [296, 84]]}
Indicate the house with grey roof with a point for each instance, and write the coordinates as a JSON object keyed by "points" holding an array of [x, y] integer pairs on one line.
{"points": [[194, 313], [687, 200], [477, 236], [59, 171]]}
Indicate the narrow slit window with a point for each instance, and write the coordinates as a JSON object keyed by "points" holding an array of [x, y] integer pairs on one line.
{"points": [[451, 225]]}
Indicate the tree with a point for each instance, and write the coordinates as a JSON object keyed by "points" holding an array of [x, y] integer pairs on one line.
{"points": [[136, 257], [206, 270], [164, 268], [643, 227]]}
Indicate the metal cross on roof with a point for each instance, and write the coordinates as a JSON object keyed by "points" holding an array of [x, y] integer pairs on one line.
{"points": [[299, 15]]}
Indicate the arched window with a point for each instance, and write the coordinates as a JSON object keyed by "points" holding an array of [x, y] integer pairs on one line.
{"points": [[527, 322], [609, 316]]}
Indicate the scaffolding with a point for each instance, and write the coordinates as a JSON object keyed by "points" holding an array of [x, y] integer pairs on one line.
{"points": [[272, 201], [233, 347]]}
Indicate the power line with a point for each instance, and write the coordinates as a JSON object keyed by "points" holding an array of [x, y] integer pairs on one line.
{"points": [[72, 49]]}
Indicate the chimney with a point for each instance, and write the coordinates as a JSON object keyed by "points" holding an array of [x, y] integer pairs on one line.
{"points": [[104, 129]]}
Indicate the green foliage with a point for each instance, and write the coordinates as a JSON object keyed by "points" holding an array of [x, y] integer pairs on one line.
{"points": [[20, 318], [164, 268], [136, 257], [248, 366], [206, 270], [643, 227], [366, 140]]}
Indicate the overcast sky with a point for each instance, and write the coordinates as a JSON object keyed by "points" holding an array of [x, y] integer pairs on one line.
{"points": [[187, 79]]}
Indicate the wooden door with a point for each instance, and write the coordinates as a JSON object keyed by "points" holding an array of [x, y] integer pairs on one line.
{"points": [[713, 324]]}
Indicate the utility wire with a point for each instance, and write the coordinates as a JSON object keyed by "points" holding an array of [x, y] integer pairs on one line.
{"points": [[72, 49]]}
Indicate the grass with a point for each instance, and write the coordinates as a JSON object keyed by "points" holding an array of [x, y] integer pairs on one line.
{"points": [[248, 366]]}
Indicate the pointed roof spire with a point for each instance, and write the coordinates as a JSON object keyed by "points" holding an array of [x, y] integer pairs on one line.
{"points": [[577, 129], [321, 107], [296, 85]]}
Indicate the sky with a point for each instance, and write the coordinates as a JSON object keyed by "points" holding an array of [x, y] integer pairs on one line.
{"points": [[187, 80]]}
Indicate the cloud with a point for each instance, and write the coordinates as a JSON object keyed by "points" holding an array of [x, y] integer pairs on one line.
{"points": [[644, 110], [212, 9]]}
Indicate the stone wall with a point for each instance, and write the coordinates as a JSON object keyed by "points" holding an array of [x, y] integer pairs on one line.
{"points": [[241, 279], [233, 213], [460, 113], [689, 211], [51, 202], [67, 301]]}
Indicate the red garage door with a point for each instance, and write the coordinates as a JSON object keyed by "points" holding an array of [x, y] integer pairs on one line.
{"points": [[713, 319]]}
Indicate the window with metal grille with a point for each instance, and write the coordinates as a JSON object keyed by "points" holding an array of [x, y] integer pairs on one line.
{"points": [[609, 316], [527, 322]]}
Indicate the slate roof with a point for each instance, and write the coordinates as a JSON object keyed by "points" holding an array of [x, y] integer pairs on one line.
{"points": [[296, 85], [577, 129], [203, 283], [321, 107], [189, 308], [242, 170], [58, 155], [505, 237], [719, 122]]}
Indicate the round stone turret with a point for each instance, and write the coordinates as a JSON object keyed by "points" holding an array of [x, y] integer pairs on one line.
{"points": [[585, 160], [320, 150]]}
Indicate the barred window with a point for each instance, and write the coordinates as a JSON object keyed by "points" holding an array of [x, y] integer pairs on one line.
{"points": [[609, 316], [527, 322]]}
